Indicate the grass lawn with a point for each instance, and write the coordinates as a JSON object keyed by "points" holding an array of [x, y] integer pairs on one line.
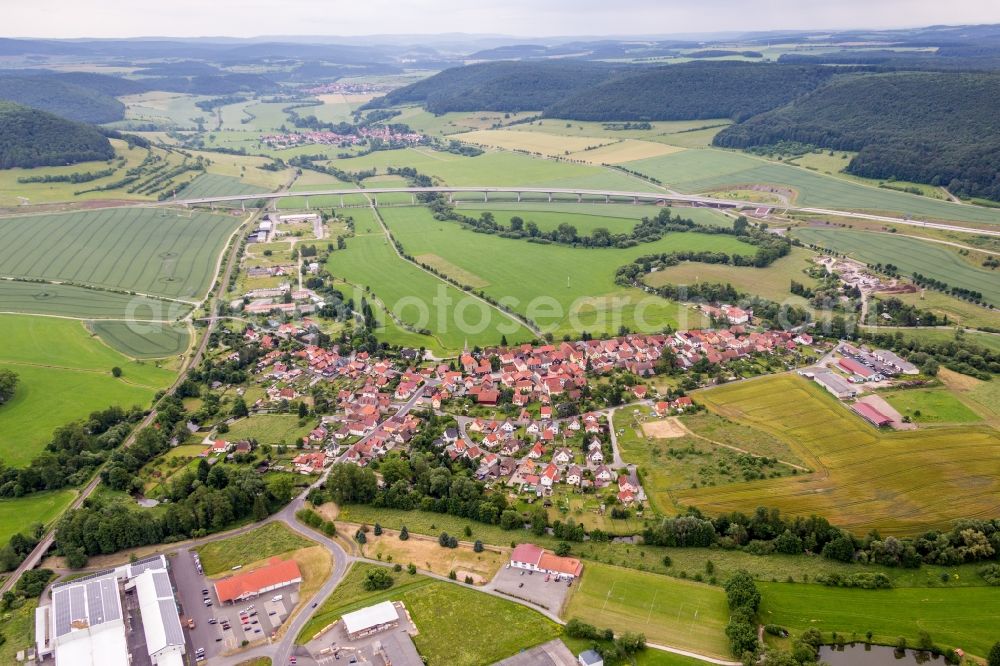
{"points": [[564, 289], [909, 254], [17, 513], [153, 251], [934, 405], [772, 282], [964, 617], [259, 544], [441, 612], [64, 374], [982, 397], [900, 483], [669, 611], [710, 169], [270, 429], [18, 627]]}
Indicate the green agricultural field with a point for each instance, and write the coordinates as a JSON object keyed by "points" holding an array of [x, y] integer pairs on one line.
{"points": [[981, 338], [169, 109], [771, 282], [668, 611], [711, 169], [496, 168], [909, 254], [901, 483], [659, 131], [454, 122], [504, 210], [964, 617], [64, 375], [415, 296], [215, 185], [933, 405], [270, 429], [141, 340], [833, 165], [258, 544], [441, 612], [18, 513], [152, 251], [81, 303], [566, 290]]}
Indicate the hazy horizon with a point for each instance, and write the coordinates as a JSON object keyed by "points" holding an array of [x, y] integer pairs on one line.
{"points": [[530, 19]]}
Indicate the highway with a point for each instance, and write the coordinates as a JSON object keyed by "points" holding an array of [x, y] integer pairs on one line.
{"points": [[550, 192]]}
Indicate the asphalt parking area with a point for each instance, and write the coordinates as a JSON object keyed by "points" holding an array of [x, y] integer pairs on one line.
{"points": [[217, 627], [533, 587]]}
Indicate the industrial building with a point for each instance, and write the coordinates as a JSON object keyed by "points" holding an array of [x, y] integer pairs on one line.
{"points": [[276, 574], [371, 620], [89, 624]]}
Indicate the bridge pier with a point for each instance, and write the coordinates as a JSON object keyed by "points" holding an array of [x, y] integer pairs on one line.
{"points": [[374, 201], [518, 197], [243, 205], [607, 198], [451, 197], [579, 198], [550, 197], [486, 197], [413, 199], [341, 200], [635, 201], [307, 204]]}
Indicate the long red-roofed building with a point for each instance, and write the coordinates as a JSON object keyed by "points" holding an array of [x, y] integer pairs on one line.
{"points": [[534, 558], [870, 414], [276, 574]]}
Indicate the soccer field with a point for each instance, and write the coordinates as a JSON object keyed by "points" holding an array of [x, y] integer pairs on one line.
{"points": [[669, 611], [160, 252]]}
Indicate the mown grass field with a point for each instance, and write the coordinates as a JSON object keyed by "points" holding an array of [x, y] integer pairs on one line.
{"points": [[982, 397], [965, 617], [669, 611], [18, 513], [933, 405], [663, 130], [64, 375], [772, 282], [270, 429], [441, 612], [259, 544], [217, 185], [143, 341], [896, 482], [564, 289], [909, 255], [415, 296], [711, 169], [160, 252], [165, 108], [958, 311]]}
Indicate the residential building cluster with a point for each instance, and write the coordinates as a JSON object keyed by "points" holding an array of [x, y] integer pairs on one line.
{"points": [[361, 135]]}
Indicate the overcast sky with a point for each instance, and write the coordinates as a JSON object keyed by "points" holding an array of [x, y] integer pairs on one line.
{"points": [[246, 18]]}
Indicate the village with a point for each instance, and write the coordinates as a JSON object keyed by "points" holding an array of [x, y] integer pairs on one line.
{"points": [[380, 133]]}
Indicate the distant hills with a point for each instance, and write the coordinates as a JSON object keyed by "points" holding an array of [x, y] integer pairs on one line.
{"points": [[32, 138], [63, 97]]}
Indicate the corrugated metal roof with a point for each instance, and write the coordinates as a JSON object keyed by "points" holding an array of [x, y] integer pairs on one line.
{"points": [[366, 618]]}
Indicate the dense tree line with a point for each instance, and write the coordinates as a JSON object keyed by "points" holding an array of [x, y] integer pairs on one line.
{"points": [[587, 90], [928, 127], [32, 138], [960, 354], [62, 98]]}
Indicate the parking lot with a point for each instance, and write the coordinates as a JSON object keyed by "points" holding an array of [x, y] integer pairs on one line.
{"points": [[220, 627], [532, 586]]}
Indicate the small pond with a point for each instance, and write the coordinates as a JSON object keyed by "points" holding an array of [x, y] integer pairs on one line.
{"points": [[860, 654]]}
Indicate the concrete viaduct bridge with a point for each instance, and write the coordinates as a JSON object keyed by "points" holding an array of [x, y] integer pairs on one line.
{"points": [[535, 193], [550, 193]]}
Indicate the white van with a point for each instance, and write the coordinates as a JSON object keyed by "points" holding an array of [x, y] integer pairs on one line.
{"points": [[277, 597]]}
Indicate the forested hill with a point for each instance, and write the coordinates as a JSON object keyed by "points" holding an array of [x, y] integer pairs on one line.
{"points": [[500, 86], [62, 97], [930, 127], [693, 91], [582, 90], [30, 138]]}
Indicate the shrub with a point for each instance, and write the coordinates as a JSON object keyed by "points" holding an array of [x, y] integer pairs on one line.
{"points": [[377, 579], [991, 574]]}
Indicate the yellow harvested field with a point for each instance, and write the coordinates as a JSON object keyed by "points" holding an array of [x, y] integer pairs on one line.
{"points": [[900, 483], [666, 429], [425, 553], [447, 268], [533, 142], [625, 151]]}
